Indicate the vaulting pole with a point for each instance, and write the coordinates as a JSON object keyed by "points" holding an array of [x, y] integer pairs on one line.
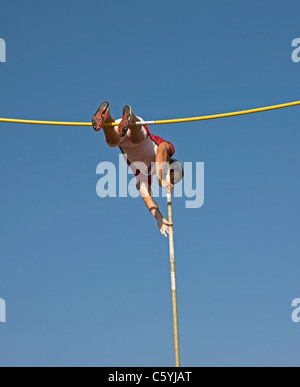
{"points": [[173, 277]]}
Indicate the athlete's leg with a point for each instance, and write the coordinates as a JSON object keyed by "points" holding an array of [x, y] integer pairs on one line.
{"points": [[137, 133], [101, 116], [111, 132]]}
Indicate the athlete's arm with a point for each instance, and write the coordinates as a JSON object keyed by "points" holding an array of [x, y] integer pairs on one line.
{"points": [[162, 153], [162, 223]]}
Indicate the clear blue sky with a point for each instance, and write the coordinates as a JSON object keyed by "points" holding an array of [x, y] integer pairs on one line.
{"points": [[86, 280]]}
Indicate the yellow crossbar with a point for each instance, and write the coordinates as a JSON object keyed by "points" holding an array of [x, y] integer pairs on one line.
{"points": [[158, 122]]}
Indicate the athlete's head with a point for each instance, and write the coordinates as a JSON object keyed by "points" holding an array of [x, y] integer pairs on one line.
{"points": [[176, 171]]}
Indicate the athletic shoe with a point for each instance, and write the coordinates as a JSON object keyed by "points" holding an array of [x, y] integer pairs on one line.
{"points": [[100, 116], [126, 120]]}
